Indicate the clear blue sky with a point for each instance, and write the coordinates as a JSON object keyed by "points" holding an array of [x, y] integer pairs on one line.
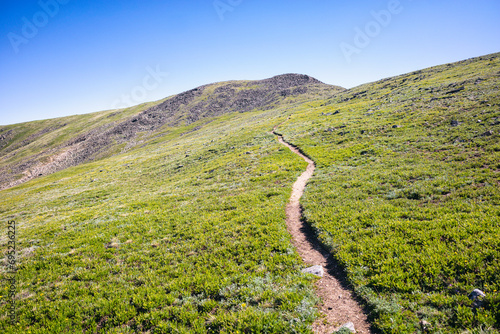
{"points": [[85, 55]]}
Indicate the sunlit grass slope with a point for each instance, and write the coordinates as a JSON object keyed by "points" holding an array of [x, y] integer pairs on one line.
{"points": [[407, 193], [186, 234]]}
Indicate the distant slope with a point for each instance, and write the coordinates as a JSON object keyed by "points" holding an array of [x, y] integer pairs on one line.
{"points": [[34, 149]]}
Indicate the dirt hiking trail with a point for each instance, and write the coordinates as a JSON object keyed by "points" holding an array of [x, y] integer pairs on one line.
{"points": [[338, 305]]}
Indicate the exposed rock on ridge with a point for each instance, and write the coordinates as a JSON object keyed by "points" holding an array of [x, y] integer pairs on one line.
{"points": [[185, 108]]}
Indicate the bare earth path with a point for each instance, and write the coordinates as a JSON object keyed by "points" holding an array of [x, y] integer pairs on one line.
{"points": [[338, 305]]}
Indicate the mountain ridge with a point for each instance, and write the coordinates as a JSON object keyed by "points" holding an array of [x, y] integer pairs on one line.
{"points": [[206, 101]]}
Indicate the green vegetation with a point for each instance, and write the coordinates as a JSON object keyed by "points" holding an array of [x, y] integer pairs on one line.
{"points": [[185, 231], [187, 235], [406, 198], [33, 138]]}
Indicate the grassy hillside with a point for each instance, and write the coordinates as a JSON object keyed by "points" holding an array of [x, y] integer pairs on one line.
{"points": [[407, 192], [187, 235], [29, 149], [34, 149], [176, 222]]}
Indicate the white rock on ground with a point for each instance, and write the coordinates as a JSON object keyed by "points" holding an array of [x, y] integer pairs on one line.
{"points": [[476, 294], [349, 326], [315, 270]]}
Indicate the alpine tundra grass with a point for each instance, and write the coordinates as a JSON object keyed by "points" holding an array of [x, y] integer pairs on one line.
{"points": [[187, 236], [407, 193]]}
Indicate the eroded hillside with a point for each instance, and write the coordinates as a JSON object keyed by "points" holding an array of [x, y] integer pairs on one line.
{"points": [[35, 149]]}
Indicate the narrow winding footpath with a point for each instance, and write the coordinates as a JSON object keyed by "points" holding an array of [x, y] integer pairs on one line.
{"points": [[338, 305]]}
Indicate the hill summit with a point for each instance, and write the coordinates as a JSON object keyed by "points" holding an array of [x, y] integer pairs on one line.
{"points": [[25, 153]]}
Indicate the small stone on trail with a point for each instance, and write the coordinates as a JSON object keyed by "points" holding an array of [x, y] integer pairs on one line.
{"points": [[348, 326], [315, 270]]}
